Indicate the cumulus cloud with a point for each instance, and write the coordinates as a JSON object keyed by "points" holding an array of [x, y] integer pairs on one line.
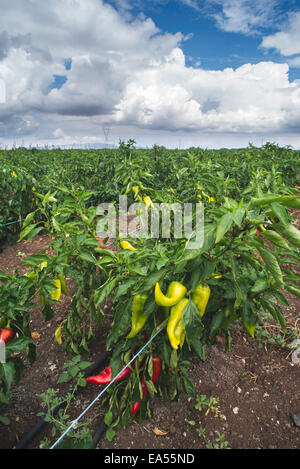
{"points": [[126, 72], [243, 16], [104, 48], [172, 96], [286, 41]]}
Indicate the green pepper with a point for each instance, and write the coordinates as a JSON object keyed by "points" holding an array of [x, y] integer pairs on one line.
{"points": [[175, 330], [200, 297], [138, 318]]}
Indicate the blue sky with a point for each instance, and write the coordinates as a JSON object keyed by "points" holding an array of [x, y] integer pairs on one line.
{"points": [[213, 47], [208, 73]]}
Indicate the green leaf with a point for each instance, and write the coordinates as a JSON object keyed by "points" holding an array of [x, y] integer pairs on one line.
{"points": [[110, 433], [162, 262], [276, 239], [138, 269], [28, 219], [191, 320], [108, 417], [30, 232], [272, 265], [151, 388], [280, 212], [292, 201], [4, 420], [73, 370], [238, 215], [87, 256], [151, 280], [102, 293], [7, 373], [121, 321], [123, 288], [275, 312], [174, 360], [260, 286], [188, 386], [287, 200], [240, 288], [63, 378], [198, 348], [209, 240], [18, 344], [48, 312], [166, 353], [289, 232], [104, 260], [84, 365], [224, 224], [217, 322], [292, 289]]}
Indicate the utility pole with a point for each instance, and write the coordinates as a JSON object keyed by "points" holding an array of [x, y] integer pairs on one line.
{"points": [[106, 131]]}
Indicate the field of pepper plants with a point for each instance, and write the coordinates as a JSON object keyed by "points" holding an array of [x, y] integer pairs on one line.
{"points": [[166, 300]]}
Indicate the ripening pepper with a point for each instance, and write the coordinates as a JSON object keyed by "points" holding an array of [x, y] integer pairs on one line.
{"points": [[62, 280], [136, 405], [32, 274], [180, 333], [175, 330], [6, 335], [200, 297], [156, 365], [138, 318], [127, 245], [175, 293], [148, 202], [105, 376], [250, 328], [56, 294], [58, 332]]}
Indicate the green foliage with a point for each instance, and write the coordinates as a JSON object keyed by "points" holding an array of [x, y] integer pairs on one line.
{"points": [[249, 244]]}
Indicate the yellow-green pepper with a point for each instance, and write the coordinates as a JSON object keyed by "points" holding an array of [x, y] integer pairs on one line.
{"points": [[175, 293], [127, 245], [138, 318], [200, 297], [175, 330]]}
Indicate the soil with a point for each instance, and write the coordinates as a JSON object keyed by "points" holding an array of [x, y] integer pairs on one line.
{"points": [[257, 386]]}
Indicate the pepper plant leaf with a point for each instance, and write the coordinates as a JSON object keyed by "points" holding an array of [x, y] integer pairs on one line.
{"points": [[224, 224], [191, 320]]}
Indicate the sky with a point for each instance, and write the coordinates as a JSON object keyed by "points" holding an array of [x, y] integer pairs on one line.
{"points": [[183, 73]]}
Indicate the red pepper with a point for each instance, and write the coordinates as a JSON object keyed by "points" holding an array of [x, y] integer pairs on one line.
{"points": [[100, 240], [105, 376], [6, 335], [156, 367], [156, 361]]}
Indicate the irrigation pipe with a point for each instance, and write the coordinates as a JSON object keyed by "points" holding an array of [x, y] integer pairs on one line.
{"points": [[99, 432], [106, 387], [28, 437], [20, 221]]}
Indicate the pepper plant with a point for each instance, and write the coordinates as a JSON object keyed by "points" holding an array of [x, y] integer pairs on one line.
{"points": [[240, 271]]}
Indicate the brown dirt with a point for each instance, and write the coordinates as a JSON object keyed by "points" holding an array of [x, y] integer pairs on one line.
{"points": [[258, 387]]}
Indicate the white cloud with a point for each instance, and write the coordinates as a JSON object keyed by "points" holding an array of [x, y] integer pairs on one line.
{"points": [[294, 62], [129, 74], [243, 16], [251, 98], [286, 41]]}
